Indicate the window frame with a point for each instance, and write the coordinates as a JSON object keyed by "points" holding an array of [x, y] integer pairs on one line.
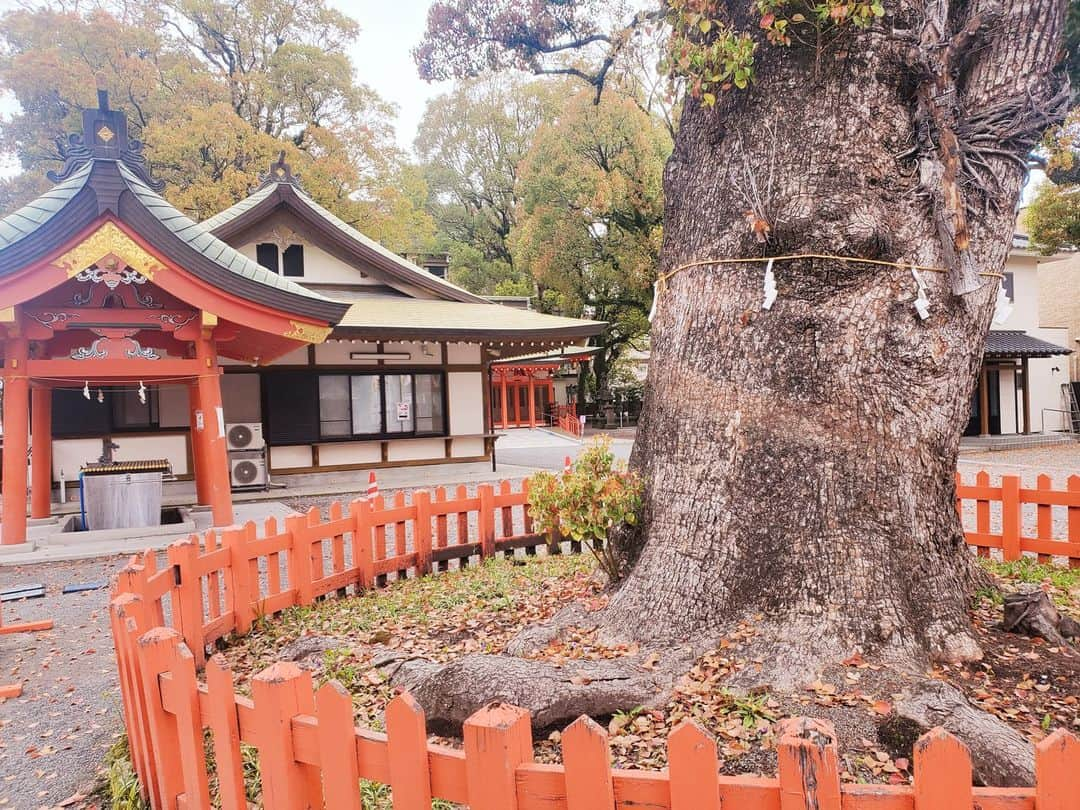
{"points": [[264, 247], [383, 433]]}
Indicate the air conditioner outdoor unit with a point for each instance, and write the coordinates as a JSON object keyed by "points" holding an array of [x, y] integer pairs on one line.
{"points": [[247, 472], [245, 436]]}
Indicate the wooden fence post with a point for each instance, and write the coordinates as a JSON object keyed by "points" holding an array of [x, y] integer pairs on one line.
{"points": [[281, 692], [942, 772], [587, 762], [693, 768], [239, 579], [486, 520], [299, 563], [129, 623], [808, 766], [982, 510], [337, 543], [406, 734], [362, 549], [1073, 485], [1057, 759], [187, 595], [156, 655], [497, 739], [1010, 517], [189, 728], [225, 726], [337, 747], [422, 531]]}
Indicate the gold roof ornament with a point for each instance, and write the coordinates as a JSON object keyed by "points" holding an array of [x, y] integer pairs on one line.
{"points": [[108, 240], [308, 332]]}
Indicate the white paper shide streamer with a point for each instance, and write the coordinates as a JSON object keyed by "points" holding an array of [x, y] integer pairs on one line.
{"points": [[769, 287], [922, 303], [655, 298], [1003, 307]]}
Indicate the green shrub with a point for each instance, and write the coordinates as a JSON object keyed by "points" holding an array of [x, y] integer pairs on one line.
{"points": [[119, 789], [588, 501]]}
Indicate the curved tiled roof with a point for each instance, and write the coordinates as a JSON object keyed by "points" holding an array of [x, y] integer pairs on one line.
{"points": [[198, 237], [105, 176], [26, 220], [1017, 343]]}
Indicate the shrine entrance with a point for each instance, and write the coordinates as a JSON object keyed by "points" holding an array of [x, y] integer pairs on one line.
{"points": [[105, 286], [523, 393]]}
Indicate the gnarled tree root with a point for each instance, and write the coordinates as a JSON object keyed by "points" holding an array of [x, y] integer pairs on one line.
{"points": [[554, 695], [1000, 755]]}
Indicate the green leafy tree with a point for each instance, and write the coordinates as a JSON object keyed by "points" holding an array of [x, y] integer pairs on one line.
{"points": [[471, 143], [1053, 218], [589, 226]]}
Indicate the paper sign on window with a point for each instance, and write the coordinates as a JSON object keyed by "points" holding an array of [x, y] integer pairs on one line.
{"points": [[403, 411]]}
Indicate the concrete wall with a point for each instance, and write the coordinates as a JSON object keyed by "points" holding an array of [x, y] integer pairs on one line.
{"points": [[1059, 304]]}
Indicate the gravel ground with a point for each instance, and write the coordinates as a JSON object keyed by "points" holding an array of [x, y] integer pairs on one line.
{"points": [[1058, 461], [52, 739]]}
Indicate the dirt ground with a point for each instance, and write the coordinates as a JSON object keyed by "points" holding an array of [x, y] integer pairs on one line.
{"points": [[1027, 683], [53, 738]]}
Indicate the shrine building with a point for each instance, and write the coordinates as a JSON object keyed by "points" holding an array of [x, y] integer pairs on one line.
{"points": [[273, 328]]}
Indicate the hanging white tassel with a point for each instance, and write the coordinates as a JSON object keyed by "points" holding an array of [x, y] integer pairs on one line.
{"points": [[86, 389], [100, 396], [922, 303], [1003, 307], [769, 287], [655, 299], [142, 393]]}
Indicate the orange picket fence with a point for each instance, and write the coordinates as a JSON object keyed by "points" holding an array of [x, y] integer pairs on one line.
{"points": [[188, 731], [567, 419], [1004, 515]]}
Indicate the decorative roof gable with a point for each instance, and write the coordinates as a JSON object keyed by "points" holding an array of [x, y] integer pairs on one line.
{"points": [[281, 189], [106, 131]]}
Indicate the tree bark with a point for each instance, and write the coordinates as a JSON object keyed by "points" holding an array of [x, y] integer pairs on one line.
{"points": [[799, 461]]}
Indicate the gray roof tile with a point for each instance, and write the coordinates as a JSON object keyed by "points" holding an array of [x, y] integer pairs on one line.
{"points": [[1017, 343]]}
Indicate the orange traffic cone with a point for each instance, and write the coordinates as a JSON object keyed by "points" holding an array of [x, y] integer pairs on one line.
{"points": [[372, 486]]}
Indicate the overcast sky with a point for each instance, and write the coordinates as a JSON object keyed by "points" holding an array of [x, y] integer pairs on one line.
{"points": [[389, 29]]}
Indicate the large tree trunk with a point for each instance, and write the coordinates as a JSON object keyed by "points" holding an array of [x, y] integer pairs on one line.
{"points": [[799, 462]]}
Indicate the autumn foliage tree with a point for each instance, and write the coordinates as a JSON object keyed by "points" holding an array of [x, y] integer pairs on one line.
{"points": [[589, 226], [799, 458], [215, 90]]}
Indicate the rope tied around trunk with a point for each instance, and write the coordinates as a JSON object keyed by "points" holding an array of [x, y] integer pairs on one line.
{"points": [[769, 283], [663, 277]]}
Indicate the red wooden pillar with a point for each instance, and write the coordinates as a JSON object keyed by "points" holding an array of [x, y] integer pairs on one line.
{"points": [[16, 444], [41, 452], [215, 464], [198, 450], [505, 417], [532, 399]]}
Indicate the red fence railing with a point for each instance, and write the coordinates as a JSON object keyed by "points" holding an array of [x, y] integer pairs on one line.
{"points": [[311, 755], [1017, 519]]}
